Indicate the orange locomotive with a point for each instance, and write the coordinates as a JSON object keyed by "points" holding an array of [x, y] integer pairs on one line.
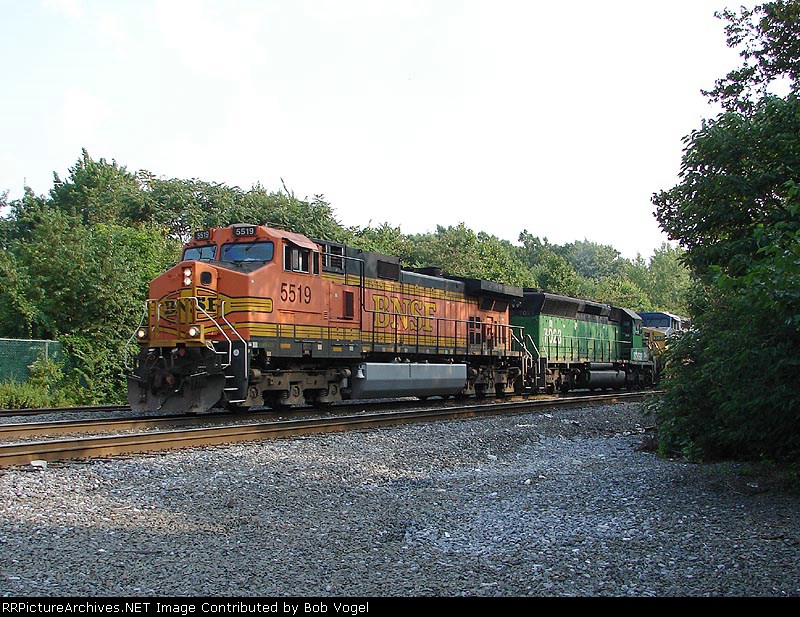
{"points": [[255, 315]]}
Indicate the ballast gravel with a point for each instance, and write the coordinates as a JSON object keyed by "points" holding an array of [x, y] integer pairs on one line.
{"points": [[557, 503]]}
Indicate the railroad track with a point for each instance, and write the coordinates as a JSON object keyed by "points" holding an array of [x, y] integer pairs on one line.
{"points": [[153, 441], [41, 411]]}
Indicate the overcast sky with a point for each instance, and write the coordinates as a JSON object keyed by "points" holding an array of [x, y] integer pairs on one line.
{"points": [[561, 118]]}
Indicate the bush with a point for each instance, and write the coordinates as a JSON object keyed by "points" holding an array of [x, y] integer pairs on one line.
{"points": [[731, 387], [44, 388]]}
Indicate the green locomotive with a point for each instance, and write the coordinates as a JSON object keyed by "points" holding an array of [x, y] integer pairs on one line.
{"points": [[579, 344]]}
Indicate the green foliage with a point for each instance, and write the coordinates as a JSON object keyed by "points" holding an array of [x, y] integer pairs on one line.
{"points": [[44, 388], [734, 178], [615, 290], [383, 239], [14, 395], [68, 279], [459, 251], [97, 192], [668, 280], [773, 279], [665, 281], [76, 264], [550, 269], [592, 260], [769, 39], [731, 385], [184, 206]]}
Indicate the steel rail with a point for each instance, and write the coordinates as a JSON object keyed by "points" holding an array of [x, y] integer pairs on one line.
{"points": [[40, 411], [65, 427], [96, 425], [99, 425], [103, 446]]}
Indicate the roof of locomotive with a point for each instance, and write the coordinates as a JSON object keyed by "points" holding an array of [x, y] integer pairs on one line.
{"points": [[538, 301], [344, 259], [217, 234], [389, 267]]}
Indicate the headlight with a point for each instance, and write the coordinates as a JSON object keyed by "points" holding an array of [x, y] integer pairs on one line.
{"points": [[187, 276], [141, 333], [194, 331]]}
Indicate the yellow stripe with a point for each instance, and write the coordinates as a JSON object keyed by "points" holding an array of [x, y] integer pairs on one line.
{"points": [[401, 288]]}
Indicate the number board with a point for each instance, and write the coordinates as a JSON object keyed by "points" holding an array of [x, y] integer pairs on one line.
{"points": [[244, 231], [202, 235]]}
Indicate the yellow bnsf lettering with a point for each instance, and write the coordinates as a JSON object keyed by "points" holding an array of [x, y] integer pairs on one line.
{"points": [[404, 313], [185, 311], [188, 309], [400, 309], [381, 307], [169, 308], [208, 304], [430, 311]]}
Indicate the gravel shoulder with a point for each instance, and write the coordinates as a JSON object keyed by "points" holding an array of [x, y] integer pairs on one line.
{"points": [[556, 503]]}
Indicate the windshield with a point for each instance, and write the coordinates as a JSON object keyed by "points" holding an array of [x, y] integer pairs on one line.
{"points": [[657, 321], [252, 251], [200, 253]]}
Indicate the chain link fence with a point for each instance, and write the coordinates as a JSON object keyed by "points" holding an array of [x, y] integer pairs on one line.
{"points": [[16, 355]]}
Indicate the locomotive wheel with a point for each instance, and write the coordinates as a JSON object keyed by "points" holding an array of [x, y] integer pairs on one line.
{"points": [[312, 398]]}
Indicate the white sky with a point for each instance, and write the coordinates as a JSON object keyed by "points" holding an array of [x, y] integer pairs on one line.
{"points": [[561, 118]]}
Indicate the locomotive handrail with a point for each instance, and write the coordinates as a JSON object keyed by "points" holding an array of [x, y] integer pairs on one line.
{"points": [[521, 342], [155, 327], [219, 327], [482, 329], [606, 345], [225, 319], [125, 354], [361, 285]]}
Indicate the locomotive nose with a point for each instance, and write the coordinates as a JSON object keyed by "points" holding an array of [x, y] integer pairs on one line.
{"points": [[204, 290], [207, 275], [196, 274]]}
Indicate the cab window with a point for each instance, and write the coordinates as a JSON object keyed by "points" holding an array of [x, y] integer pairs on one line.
{"points": [[296, 259], [238, 252], [200, 253]]}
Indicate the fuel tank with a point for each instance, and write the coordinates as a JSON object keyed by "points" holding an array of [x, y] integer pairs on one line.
{"points": [[381, 380]]}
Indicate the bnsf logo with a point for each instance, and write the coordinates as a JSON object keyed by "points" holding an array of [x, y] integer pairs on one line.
{"points": [[404, 313], [170, 308]]}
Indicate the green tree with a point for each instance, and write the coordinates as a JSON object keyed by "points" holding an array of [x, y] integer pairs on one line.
{"points": [[98, 192], [768, 37], [730, 386], [615, 290], [84, 285], [664, 280], [734, 178], [593, 260], [384, 239], [551, 271], [669, 280], [460, 251], [184, 206]]}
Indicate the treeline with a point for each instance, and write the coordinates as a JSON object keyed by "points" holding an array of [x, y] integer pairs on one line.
{"points": [[733, 388], [75, 264]]}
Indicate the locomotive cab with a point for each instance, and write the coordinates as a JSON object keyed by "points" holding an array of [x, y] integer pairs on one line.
{"points": [[201, 313]]}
